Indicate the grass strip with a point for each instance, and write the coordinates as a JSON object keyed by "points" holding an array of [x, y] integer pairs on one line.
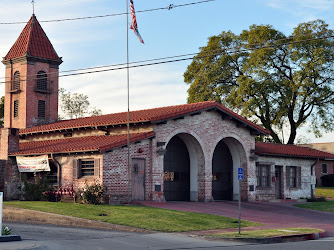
{"points": [[327, 192], [261, 234], [325, 206], [136, 216]]}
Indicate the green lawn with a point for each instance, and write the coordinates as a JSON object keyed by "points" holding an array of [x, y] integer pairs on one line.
{"points": [[268, 233], [326, 206], [327, 192], [136, 216]]}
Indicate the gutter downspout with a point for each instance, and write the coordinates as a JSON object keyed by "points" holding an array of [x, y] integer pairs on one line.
{"points": [[313, 190], [58, 171]]}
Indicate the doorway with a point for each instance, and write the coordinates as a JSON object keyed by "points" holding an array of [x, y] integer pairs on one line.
{"points": [[222, 173], [138, 179], [278, 183], [177, 171]]}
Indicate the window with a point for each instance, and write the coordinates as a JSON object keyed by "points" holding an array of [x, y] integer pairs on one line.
{"points": [[41, 109], [86, 168], [16, 82], [324, 168], [293, 177], [16, 108], [262, 175], [42, 80]]}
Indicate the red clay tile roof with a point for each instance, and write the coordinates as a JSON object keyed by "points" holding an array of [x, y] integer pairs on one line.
{"points": [[79, 144], [149, 115], [33, 41], [290, 151]]}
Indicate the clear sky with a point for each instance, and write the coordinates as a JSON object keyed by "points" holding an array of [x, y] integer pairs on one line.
{"points": [[182, 30]]}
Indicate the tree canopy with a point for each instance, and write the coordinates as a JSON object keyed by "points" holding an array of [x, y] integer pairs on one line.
{"points": [[280, 81], [75, 105]]}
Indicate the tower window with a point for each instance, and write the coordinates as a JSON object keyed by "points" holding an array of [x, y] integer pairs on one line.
{"points": [[41, 109], [16, 83], [16, 108], [42, 80]]}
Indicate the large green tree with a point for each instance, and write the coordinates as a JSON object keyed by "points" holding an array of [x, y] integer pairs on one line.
{"points": [[281, 81]]}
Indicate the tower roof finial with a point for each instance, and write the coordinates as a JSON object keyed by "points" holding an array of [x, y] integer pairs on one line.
{"points": [[33, 7]]}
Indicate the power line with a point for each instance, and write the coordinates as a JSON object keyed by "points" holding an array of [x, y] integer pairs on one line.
{"points": [[171, 6], [229, 50]]}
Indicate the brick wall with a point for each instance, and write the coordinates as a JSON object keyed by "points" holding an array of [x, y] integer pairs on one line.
{"points": [[318, 169], [115, 170], [28, 98], [203, 132]]}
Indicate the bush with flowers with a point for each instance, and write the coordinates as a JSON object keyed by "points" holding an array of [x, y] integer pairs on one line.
{"points": [[6, 230], [91, 194]]}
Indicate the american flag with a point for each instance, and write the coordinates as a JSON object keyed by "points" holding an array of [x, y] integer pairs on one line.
{"points": [[134, 26]]}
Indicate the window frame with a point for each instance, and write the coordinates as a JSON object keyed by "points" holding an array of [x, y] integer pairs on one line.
{"points": [[294, 179], [322, 168], [16, 81], [16, 109], [41, 109], [77, 168], [263, 181], [42, 81]]}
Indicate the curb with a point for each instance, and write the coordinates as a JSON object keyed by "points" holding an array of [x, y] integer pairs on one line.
{"points": [[9, 238], [277, 239]]}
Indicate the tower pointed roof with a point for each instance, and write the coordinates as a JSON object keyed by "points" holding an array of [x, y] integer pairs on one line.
{"points": [[33, 42]]}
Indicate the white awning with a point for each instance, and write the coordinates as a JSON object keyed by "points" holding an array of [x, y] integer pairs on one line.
{"points": [[33, 164]]}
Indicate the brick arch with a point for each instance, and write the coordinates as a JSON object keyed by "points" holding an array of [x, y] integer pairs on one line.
{"points": [[197, 161], [239, 157]]}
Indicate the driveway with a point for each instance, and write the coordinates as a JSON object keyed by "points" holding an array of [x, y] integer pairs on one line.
{"points": [[273, 214]]}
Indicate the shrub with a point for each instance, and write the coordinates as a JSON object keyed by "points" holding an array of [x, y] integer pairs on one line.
{"points": [[34, 191], [6, 230], [327, 180], [317, 199], [91, 194]]}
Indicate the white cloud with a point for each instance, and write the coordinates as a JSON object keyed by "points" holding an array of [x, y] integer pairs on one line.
{"points": [[149, 87]]}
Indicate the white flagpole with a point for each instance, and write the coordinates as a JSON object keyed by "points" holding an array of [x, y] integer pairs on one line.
{"points": [[128, 88], [1, 200]]}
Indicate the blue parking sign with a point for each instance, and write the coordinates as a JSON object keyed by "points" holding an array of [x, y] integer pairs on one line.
{"points": [[240, 174]]}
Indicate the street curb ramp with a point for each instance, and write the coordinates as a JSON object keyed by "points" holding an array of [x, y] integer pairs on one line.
{"points": [[277, 239]]}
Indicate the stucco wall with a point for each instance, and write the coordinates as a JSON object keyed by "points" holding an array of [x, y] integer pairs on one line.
{"points": [[287, 193]]}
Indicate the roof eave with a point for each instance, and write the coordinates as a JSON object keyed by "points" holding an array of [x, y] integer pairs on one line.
{"points": [[289, 156], [248, 125]]}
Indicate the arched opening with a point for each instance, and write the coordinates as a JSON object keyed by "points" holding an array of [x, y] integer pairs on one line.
{"points": [[222, 173], [177, 171], [228, 156]]}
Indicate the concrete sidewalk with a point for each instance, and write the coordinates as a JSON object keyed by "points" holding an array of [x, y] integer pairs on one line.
{"points": [[273, 214]]}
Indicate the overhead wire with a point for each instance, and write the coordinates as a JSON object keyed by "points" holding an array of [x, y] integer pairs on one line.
{"points": [[171, 6], [229, 50]]}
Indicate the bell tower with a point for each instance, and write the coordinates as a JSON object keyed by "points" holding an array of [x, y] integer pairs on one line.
{"points": [[32, 72]]}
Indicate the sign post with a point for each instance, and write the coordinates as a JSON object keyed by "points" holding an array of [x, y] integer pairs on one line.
{"points": [[1, 201], [240, 178]]}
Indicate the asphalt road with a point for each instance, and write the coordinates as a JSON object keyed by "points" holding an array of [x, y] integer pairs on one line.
{"points": [[55, 237]]}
